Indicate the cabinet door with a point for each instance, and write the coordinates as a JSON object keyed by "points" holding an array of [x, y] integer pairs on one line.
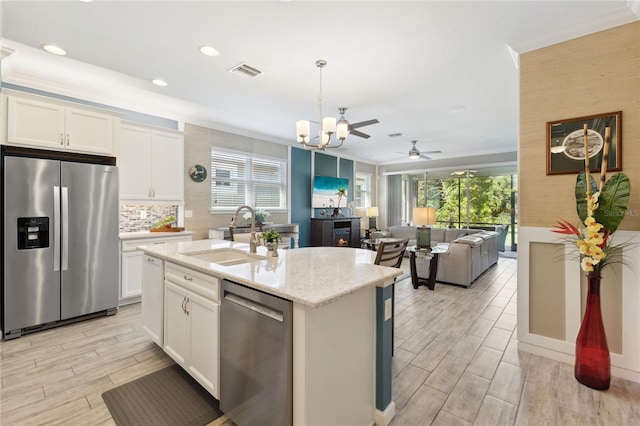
{"points": [[131, 282], [153, 298], [204, 316], [176, 330], [134, 163], [89, 132], [167, 164], [36, 124]]}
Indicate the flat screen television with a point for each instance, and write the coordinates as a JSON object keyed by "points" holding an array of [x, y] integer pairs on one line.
{"points": [[325, 189]]}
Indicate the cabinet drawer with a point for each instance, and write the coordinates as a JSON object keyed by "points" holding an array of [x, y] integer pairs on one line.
{"points": [[202, 284], [129, 245]]}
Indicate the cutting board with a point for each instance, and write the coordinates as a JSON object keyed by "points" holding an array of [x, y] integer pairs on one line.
{"points": [[168, 229]]}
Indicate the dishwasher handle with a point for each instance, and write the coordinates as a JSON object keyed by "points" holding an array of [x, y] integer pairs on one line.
{"points": [[254, 306]]}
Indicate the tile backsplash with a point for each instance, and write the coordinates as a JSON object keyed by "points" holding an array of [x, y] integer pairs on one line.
{"points": [[140, 218]]}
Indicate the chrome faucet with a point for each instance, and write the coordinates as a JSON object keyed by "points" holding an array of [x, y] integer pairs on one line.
{"points": [[253, 238]]}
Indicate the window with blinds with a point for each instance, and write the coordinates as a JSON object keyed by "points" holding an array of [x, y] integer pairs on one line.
{"points": [[363, 190], [239, 178]]}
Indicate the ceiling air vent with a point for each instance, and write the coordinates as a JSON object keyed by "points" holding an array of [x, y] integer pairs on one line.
{"points": [[245, 70], [396, 135]]}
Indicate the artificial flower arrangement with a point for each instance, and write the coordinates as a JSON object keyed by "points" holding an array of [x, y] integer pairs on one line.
{"points": [[260, 215], [600, 209]]}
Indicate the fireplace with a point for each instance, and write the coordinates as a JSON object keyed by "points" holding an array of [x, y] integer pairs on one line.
{"points": [[341, 237], [335, 232]]}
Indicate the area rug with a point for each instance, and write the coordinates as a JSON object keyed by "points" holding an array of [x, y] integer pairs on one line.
{"points": [[167, 397]]}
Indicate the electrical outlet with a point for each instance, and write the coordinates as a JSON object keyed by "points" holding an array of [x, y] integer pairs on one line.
{"points": [[143, 214], [188, 214], [387, 309]]}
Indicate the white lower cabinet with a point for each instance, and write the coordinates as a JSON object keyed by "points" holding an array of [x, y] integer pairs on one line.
{"points": [[131, 285], [191, 325], [153, 298], [131, 270]]}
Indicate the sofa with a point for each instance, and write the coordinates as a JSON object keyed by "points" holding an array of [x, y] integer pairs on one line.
{"points": [[469, 252]]}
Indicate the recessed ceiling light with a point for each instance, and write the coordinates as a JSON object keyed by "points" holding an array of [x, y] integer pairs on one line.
{"points": [[209, 51], [159, 82], [54, 49]]}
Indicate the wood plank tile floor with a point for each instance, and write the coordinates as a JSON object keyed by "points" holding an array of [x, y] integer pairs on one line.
{"points": [[57, 376], [456, 363]]}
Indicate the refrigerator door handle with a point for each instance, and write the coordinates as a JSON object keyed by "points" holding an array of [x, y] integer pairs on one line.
{"points": [[65, 228], [56, 228]]}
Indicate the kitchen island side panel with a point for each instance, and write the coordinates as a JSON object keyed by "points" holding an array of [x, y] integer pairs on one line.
{"points": [[334, 361]]}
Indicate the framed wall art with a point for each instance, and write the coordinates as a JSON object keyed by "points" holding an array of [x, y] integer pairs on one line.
{"points": [[565, 143]]}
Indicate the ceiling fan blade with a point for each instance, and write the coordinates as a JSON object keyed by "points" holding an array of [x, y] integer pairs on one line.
{"points": [[424, 157], [431, 152], [358, 133], [363, 123]]}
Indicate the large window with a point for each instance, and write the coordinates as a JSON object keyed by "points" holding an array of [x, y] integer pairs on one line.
{"points": [[485, 198], [239, 178], [363, 190]]}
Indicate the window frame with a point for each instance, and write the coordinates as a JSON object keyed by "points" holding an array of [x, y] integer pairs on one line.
{"points": [[368, 178], [248, 181]]}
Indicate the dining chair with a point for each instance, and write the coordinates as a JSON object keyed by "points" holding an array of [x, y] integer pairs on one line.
{"points": [[390, 253]]}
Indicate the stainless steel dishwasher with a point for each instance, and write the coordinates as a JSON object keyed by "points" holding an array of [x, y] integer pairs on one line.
{"points": [[255, 357]]}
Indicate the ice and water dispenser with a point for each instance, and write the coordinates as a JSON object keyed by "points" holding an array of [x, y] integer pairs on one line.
{"points": [[33, 232]]}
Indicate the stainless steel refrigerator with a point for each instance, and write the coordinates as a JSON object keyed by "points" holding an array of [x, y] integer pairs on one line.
{"points": [[60, 249]]}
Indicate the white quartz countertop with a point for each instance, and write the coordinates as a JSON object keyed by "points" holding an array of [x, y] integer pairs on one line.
{"points": [[312, 276], [149, 234]]}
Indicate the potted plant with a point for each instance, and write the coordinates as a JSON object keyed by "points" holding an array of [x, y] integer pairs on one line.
{"points": [[164, 223], [271, 236]]}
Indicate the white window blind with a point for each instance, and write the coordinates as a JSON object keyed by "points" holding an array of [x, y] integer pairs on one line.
{"points": [[239, 178]]}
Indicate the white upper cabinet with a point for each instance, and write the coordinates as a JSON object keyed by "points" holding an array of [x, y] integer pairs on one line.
{"points": [[134, 163], [89, 132], [151, 163], [167, 166], [51, 125]]}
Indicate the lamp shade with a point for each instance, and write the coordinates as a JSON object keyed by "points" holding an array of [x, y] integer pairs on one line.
{"points": [[372, 212], [424, 216]]}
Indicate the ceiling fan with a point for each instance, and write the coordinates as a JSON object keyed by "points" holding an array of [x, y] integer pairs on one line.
{"points": [[414, 154], [354, 126]]}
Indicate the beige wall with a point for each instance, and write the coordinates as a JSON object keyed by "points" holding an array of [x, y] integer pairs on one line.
{"points": [[197, 195], [595, 74]]}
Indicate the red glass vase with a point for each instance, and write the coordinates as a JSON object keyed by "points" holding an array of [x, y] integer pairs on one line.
{"points": [[593, 365]]}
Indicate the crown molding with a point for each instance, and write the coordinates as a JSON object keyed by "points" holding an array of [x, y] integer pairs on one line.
{"points": [[622, 16], [5, 52]]}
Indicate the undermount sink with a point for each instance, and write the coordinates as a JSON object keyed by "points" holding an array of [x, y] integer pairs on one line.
{"points": [[225, 257]]}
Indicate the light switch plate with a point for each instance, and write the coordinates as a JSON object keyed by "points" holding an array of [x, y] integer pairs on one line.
{"points": [[143, 214], [387, 309]]}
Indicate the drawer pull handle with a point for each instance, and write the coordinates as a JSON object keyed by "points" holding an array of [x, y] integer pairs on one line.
{"points": [[188, 278]]}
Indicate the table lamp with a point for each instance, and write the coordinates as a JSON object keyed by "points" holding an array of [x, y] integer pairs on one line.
{"points": [[424, 217], [372, 212]]}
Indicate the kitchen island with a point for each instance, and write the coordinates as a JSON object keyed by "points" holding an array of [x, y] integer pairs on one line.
{"points": [[341, 335]]}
